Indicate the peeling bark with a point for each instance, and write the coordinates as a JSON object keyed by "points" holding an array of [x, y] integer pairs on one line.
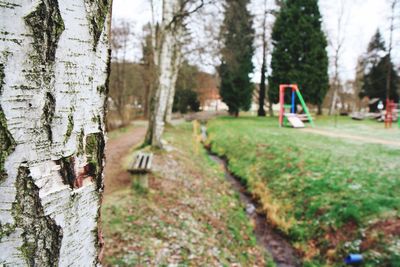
{"points": [[54, 67]]}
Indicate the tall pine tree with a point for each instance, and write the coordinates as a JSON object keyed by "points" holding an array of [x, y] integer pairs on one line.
{"points": [[236, 88], [375, 52], [299, 55], [376, 63]]}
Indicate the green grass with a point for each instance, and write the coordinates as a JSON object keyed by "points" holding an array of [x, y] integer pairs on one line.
{"points": [[325, 191], [366, 128]]}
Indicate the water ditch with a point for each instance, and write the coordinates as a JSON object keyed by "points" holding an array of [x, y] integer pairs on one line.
{"points": [[267, 237]]}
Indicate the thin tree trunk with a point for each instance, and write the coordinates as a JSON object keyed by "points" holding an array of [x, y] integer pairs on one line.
{"points": [[389, 66], [319, 112], [54, 67], [270, 109], [146, 101], [332, 106], [150, 74], [261, 97], [338, 49]]}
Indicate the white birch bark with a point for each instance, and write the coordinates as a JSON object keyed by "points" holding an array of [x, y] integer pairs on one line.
{"points": [[176, 63], [54, 62], [165, 61]]}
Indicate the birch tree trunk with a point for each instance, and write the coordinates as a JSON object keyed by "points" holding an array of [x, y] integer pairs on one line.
{"points": [[176, 63], [54, 66], [166, 59]]}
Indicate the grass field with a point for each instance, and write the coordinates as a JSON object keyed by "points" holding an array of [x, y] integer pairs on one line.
{"points": [[332, 196]]}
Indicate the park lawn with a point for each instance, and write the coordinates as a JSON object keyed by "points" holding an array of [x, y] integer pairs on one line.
{"points": [[189, 217], [331, 196], [366, 128]]}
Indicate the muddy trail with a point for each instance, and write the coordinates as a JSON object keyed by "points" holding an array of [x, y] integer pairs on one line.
{"points": [[275, 243]]}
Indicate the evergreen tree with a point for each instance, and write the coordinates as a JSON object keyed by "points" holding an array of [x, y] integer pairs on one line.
{"points": [[299, 55], [376, 63], [236, 88], [375, 52], [186, 97], [375, 82]]}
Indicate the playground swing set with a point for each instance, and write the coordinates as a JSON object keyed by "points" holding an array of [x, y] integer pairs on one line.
{"points": [[291, 118]]}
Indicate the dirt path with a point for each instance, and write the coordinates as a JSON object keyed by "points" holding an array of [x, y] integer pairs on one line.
{"points": [[116, 149], [364, 139]]}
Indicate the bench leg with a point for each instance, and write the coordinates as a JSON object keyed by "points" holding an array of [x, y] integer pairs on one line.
{"points": [[144, 181], [140, 181]]}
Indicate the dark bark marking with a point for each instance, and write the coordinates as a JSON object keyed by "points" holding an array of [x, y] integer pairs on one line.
{"points": [[107, 87], [7, 144], [101, 89], [97, 11], [67, 170], [2, 76], [8, 5], [47, 26], [94, 149], [80, 149], [41, 235], [70, 127], [48, 114]]}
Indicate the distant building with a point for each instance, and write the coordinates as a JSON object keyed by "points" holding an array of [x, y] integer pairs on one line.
{"points": [[209, 97]]}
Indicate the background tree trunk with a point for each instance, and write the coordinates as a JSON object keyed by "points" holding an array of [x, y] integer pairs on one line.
{"points": [[337, 45], [165, 60], [54, 65], [389, 65], [261, 97], [176, 64]]}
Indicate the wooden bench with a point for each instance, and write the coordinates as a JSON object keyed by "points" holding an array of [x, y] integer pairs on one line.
{"points": [[141, 166]]}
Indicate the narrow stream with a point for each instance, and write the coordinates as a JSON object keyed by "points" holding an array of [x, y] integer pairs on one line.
{"points": [[282, 252]]}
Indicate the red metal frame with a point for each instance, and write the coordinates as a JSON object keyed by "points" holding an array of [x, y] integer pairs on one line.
{"points": [[389, 113], [282, 88]]}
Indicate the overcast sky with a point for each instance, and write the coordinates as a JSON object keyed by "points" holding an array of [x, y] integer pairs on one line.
{"points": [[361, 19]]}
